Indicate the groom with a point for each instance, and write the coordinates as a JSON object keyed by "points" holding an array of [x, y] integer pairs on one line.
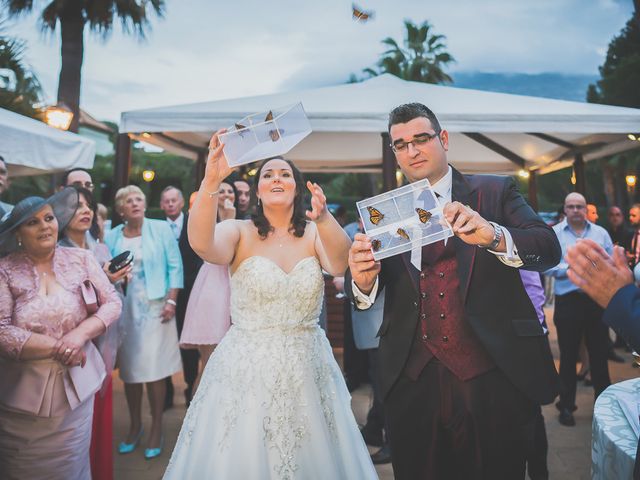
{"points": [[464, 361]]}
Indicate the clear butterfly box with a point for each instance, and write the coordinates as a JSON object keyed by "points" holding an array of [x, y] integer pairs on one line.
{"points": [[403, 219], [265, 134]]}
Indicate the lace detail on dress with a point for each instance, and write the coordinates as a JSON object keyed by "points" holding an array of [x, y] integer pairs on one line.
{"points": [[268, 360]]}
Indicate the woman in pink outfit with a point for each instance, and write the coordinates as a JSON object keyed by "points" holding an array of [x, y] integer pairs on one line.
{"points": [[207, 318], [49, 366]]}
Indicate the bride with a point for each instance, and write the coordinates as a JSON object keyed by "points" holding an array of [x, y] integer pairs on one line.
{"points": [[272, 402]]}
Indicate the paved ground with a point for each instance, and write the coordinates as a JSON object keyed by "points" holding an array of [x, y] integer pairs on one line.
{"points": [[569, 447]]}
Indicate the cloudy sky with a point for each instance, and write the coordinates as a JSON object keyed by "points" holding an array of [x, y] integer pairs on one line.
{"points": [[208, 50]]}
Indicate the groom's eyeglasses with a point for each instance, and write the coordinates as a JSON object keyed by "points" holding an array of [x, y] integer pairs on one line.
{"points": [[420, 141]]}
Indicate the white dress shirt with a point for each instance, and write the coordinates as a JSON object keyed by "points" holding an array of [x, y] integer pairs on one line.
{"points": [[442, 189], [176, 225]]}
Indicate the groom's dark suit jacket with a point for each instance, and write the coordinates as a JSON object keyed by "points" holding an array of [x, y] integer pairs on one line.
{"points": [[496, 305]]}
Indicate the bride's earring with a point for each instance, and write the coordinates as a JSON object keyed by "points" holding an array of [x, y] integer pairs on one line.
{"points": [[19, 242], [258, 201]]}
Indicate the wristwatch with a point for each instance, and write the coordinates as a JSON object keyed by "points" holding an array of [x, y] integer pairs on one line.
{"points": [[497, 237], [171, 302]]}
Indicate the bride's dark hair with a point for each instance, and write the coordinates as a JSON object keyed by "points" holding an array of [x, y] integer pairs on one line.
{"points": [[299, 217]]}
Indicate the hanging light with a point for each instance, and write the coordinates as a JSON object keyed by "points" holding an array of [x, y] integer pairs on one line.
{"points": [[399, 177], [146, 135], [58, 116], [632, 137], [148, 175], [573, 177], [631, 180], [524, 174]]}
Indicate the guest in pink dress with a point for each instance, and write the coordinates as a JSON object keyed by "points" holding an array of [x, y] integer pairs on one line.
{"points": [[49, 366], [207, 318]]}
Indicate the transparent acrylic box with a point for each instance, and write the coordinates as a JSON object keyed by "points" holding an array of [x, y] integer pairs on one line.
{"points": [[265, 134], [402, 219]]}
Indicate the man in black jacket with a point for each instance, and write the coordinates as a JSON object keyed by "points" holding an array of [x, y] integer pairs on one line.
{"points": [[464, 361], [172, 203]]}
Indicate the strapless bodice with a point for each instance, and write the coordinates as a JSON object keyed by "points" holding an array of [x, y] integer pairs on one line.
{"points": [[265, 296]]}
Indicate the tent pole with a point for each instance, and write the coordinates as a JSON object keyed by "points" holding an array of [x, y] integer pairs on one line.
{"points": [[578, 168], [533, 190], [121, 170], [389, 181], [201, 163]]}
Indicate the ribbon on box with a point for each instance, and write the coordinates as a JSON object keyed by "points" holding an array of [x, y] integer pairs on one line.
{"points": [[416, 243]]}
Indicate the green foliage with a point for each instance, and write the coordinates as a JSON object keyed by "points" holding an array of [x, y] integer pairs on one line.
{"points": [[422, 58], [99, 15], [620, 73], [20, 90]]}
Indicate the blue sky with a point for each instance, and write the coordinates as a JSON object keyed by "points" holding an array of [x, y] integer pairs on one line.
{"points": [[206, 50]]}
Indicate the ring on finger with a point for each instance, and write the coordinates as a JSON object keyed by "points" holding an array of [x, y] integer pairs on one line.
{"points": [[67, 350]]}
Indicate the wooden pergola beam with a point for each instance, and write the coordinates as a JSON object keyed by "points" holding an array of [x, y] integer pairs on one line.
{"points": [[497, 148], [389, 181]]}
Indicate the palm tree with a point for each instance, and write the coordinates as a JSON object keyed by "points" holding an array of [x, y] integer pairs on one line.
{"points": [[73, 16], [20, 90], [422, 59]]}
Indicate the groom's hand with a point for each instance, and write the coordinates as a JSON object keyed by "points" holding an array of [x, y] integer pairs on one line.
{"points": [[469, 226], [364, 269]]}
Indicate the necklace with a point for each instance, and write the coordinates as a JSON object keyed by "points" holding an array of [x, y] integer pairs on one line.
{"points": [[280, 237]]}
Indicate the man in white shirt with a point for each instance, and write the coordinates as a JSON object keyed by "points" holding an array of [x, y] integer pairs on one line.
{"points": [[172, 203]]}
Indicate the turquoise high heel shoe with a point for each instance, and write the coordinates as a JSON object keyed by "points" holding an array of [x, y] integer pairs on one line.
{"points": [[150, 453], [130, 447]]}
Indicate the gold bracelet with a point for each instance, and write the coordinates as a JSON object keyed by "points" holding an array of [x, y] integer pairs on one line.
{"points": [[211, 194]]}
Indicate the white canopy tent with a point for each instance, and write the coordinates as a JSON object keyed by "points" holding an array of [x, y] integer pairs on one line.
{"points": [[31, 147], [489, 132]]}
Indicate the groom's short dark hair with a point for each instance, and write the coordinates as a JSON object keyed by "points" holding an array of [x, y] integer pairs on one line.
{"points": [[407, 112]]}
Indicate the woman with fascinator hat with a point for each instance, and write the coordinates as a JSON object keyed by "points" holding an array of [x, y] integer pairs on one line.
{"points": [[49, 366]]}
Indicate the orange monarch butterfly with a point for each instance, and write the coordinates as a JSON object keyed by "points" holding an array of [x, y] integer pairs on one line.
{"points": [[375, 215], [360, 15], [423, 215], [402, 232], [376, 244], [274, 134]]}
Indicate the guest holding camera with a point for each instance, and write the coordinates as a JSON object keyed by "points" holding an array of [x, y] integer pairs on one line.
{"points": [[75, 236], [49, 366], [149, 351]]}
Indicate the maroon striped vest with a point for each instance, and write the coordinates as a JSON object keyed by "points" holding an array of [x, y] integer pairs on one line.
{"points": [[443, 331]]}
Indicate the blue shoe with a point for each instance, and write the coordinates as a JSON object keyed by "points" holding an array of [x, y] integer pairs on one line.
{"points": [[130, 447], [150, 453]]}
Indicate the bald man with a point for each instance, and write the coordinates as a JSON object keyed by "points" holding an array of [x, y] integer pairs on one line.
{"points": [[575, 313]]}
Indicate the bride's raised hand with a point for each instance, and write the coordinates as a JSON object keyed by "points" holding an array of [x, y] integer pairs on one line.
{"points": [[217, 168], [319, 210]]}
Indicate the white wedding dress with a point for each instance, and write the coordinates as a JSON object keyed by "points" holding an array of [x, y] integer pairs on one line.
{"points": [[272, 402]]}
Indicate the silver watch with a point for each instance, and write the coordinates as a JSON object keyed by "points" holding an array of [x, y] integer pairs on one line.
{"points": [[497, 237]]}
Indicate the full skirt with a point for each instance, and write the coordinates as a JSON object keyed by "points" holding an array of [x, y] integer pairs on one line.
{"points": [[272, 404]]}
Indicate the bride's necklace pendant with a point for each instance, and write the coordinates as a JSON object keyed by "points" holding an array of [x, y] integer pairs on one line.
{"points": [[279, 238]]}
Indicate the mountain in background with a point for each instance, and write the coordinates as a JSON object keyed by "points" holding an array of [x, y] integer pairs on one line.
{"points": [[550, 85]]}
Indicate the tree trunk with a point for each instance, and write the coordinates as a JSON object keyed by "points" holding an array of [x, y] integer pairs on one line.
{"points": [[71, 52]]}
